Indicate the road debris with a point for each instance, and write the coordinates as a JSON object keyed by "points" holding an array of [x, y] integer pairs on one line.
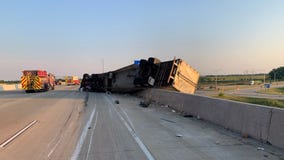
{"points": [[179, 135], [260, 148], [245, 135], [145, 103], [265, 156], [188, 115]]}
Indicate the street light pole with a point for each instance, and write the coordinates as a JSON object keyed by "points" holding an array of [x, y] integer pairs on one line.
{"points": [[103, 65]]}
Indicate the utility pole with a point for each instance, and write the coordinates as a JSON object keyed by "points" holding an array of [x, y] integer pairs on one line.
{"points": [[103, 65], [216, 81], [264, 78]]}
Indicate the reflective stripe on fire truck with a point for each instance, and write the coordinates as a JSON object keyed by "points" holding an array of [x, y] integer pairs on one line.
{"points": [[24, 82], [31, 83]]}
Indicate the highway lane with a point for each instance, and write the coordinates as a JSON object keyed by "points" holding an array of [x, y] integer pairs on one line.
{"points": [[249, 91], [58, 115], [106, 136], [253, 92], [116, 127]]}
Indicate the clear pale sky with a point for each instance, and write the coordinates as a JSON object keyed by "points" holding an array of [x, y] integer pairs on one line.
{"points": [[68, 37]]}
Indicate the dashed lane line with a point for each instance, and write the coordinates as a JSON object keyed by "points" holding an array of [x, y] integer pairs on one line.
{"points": [[17, 134]]}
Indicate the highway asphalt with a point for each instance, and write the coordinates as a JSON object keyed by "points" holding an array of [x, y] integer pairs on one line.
{"points": [[249, 91], [117, 127], [57, 114], [253, 92], [98, 126]]}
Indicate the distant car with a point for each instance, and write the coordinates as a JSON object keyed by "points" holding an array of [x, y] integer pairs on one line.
{"points": [[267, 85]]}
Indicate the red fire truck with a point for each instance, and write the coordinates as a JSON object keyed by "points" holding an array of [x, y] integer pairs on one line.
{"points": [[37, 80], [72, 80]]}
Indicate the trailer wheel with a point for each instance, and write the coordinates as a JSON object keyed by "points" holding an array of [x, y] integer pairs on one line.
{"points": [[46, 87]]}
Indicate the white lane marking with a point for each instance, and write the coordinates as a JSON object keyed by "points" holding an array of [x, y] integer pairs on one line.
{"points": [[132, 132], [127, 118], [17, 134], [83, 137], [91, 140], [61, 136], [53, 149]]}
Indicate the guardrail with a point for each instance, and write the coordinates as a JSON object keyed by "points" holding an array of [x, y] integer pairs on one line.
{"points": [[260, 122]]}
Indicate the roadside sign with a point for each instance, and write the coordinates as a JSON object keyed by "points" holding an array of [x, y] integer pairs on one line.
{"points": [[267, 85]]}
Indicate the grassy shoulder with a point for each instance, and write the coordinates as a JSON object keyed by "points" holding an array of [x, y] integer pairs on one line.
{"points": [[259, 101], [277, 91]]}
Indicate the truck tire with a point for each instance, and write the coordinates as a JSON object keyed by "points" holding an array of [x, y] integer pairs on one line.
{"points": [[46, 87]]}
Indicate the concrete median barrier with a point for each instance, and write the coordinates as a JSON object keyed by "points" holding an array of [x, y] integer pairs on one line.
{"points": [[276, 132], [260, 122], [10, 87]]}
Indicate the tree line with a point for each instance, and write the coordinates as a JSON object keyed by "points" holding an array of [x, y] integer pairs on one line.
{"points": [[277, 74], [9, 82]]}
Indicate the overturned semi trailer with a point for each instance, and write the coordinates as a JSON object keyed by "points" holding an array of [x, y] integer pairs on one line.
{"points": [[173, 75]]}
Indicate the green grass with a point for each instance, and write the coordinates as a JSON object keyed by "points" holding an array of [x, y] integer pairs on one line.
{"points": [[260, 101], [277, 91]]}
